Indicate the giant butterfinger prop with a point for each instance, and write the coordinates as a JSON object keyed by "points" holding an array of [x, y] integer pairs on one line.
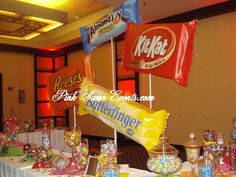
{"points": [[132, 119]]}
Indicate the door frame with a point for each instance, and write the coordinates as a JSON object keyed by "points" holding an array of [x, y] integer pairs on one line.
{"points": [[1, 106]]}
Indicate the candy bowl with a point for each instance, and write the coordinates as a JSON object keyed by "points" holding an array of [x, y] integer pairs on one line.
{"points": [[164, 158]]}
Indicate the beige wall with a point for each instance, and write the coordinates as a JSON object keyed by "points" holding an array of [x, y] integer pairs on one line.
{"points": [[18, 72], [101, 62], [210, 100]]}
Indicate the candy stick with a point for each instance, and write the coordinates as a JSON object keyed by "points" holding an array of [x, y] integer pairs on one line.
{"points": [[74, 116], [150, 89], [113, 79]]}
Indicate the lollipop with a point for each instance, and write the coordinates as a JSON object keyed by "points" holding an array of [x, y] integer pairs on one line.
{"points": [[209, 137]]}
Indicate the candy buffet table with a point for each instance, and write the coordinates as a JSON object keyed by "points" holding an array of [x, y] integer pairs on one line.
{"points": [[57, 138], [11, 167]]}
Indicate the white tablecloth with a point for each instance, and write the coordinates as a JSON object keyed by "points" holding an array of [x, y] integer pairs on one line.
{"points": [[11, 167]]}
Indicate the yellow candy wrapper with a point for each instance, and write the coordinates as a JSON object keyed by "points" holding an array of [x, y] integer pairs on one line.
{"points": [[130, 118]]}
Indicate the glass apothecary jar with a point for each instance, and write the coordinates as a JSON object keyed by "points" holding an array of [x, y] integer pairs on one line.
{"points": [[110, 169], [46, 137], [164, 158], [206, 166]]}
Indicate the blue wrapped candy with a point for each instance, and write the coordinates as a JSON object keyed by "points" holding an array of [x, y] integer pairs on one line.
{"points": [[111, 25], [111, 173], [234, 131], [206, 170]]}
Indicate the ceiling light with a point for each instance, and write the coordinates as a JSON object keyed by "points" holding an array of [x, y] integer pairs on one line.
{"points": [[11, 14], [26, 37], [50, 23], [24, 21], [46, 3]]}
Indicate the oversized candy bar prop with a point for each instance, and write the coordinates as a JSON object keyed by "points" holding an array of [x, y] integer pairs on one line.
{"points": [[64, 84], [132, 119], [111, 25], [164, 50]]}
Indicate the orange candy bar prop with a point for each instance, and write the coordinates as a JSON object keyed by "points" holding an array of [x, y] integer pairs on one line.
{"points": [[63, 85], [164, 50]]}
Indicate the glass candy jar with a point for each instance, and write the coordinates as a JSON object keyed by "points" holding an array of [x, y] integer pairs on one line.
{"points": [[206, 166], [107, 160], [61, 162], [46, 137], [110, 169], [192, 150], [164, 158], [72, 137]]}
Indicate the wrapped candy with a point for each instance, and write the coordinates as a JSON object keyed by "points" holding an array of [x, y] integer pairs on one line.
{"points": [[234, 129], [164, 158], [111, 25], [164, 50], [132, 119], [72, 137], [12, 128], [80, 154], [164, 164], [44, 154], [61, 161], [29, 126], [108, 166], [209, 137], [30, 151], [108, 149]]}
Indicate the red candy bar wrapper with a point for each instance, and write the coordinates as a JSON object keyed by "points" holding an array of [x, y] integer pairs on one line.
{"points": [[164, 50]]}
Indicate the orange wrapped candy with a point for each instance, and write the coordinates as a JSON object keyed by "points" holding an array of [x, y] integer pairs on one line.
{"points": [[64, 85]]}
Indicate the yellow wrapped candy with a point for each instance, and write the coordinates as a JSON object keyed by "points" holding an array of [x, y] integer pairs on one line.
{"points": [[72, 136], [130, 118]]}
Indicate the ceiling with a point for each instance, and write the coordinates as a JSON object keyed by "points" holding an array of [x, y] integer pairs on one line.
{"points": [[84, 12]]}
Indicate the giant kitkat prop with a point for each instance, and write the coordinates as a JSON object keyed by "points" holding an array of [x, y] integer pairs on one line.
{"points": [[164, 50], [64, 85]]}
